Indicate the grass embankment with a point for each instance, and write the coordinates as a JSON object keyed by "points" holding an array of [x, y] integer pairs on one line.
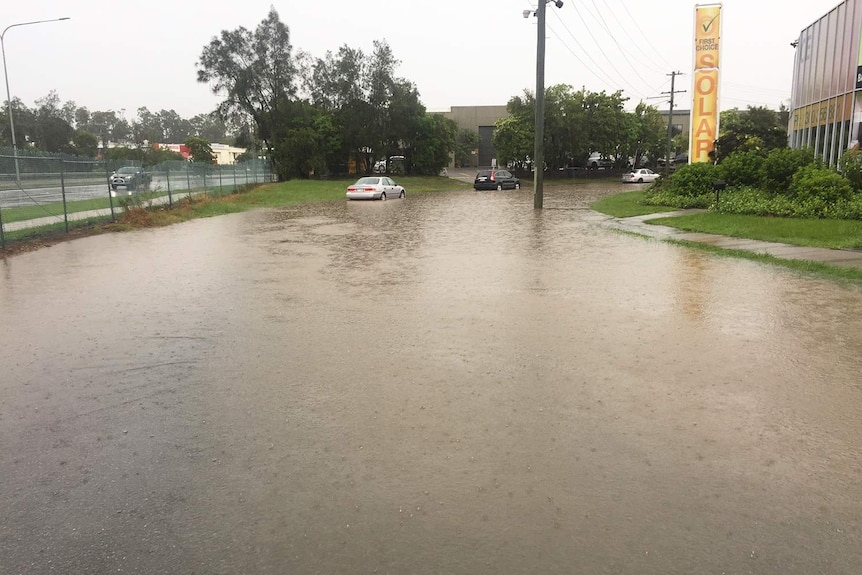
{"points": [[291, 193], [834, 234]]}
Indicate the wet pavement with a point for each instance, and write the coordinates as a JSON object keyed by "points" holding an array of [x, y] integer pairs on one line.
{"points": [[453, 383]]}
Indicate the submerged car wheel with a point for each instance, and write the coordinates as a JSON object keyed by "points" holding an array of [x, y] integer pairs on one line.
{"points": [[518, 186], [499, 187], [403, 194], [383, 197]]}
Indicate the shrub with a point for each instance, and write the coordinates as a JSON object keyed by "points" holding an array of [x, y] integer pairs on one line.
{"points": [[692, 180], [819, 186], [742, 169], [850, 165], [780, 165]]}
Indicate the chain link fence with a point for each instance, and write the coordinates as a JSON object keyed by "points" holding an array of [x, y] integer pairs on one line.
{"points": [[43, 194]]}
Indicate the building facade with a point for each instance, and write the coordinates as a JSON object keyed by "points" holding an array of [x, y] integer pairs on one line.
{"points": [[826, 97], [479, 119]]}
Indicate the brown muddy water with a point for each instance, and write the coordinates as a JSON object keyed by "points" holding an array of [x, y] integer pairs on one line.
{"points": [[453, 383]]}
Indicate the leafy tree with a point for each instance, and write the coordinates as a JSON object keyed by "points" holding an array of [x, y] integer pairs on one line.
{"points": [[25, 124], [255, 71], [209, 127], [147, 128], [200, 150], [174, 127], [53, 134], [647, 134], [434, 142], [84, 144], [757, 129], [466, 141]]}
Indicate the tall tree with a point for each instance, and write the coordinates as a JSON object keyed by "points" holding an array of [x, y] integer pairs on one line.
{"points": [[254, 71]]}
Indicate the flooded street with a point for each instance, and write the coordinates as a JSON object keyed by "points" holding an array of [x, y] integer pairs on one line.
{"points": [[452, 383]]}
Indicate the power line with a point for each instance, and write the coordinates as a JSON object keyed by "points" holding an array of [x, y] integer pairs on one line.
{"points": [[587, 53], [645, 37], [601, 19]]}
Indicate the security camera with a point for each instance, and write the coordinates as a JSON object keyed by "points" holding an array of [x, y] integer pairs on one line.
{"points": [[559, 3], [527, 13]]}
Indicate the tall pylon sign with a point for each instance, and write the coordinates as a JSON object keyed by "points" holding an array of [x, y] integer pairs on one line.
{"points": [[704, 106]]}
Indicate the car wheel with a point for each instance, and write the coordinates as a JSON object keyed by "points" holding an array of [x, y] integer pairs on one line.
{"points": [[383, 197], [402, 195], [640, 180], [518, 186], [499, 187]]}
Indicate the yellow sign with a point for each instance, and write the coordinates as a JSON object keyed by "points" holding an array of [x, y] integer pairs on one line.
{"points": [[704, 110], [704, 115], [707, 25]]}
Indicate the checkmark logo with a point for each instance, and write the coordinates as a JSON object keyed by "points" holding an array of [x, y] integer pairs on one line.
{"points": [[708, 25]]}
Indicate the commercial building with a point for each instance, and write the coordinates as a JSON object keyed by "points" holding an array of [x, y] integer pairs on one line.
{"points": [[479, 119], [826, 97]]}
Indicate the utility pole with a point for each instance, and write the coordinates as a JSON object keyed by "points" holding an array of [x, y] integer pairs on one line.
{"points": [[538, 152], [667, 158], [538, 144]]}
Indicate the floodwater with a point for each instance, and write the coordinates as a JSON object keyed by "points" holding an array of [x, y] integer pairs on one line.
{"points": [[453, 383]]}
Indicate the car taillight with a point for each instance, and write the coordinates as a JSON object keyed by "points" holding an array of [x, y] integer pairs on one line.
{"points": [[369, 189], [492, 176]]}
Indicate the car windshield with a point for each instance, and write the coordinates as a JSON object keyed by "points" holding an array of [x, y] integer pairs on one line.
{"points": [[127, 170], [367, 181]]}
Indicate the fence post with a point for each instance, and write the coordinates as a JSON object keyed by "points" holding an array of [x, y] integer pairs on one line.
{"points": [[188, 181], [110, 197], [63, 193], [205, 179], [235, 188], [2, 235], [168, 179], [220, 191]]}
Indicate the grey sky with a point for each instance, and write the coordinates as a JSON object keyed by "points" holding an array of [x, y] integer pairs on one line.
{"points": [[123, 55]]}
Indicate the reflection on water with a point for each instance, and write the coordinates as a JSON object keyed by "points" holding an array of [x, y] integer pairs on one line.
{"points": [[450, 383]]}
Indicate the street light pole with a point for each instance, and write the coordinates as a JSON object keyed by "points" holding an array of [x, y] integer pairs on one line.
{"points": [[6, 77]]}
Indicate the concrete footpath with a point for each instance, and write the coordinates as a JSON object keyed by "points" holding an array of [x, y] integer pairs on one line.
{"points": [[841, 258]]}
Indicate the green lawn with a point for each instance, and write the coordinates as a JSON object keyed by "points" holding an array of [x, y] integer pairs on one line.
{"points": [[628, 204], [295, 192], [836, 234]]}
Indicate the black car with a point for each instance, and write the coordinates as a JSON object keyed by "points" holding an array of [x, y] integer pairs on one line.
{"points": [[496, 180]]}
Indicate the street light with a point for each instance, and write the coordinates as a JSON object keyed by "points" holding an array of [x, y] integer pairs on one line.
{"points": [[538, 155], [6, 76]]}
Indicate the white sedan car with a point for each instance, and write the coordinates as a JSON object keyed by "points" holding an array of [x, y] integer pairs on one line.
{"points": [[375, 188], [640, 176]]}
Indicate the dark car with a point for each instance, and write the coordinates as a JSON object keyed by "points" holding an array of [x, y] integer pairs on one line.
{"points": [[131, 178], [496, 180]]}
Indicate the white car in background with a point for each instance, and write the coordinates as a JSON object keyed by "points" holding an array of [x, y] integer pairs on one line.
{"points": [[375, 188], [640, 176]]}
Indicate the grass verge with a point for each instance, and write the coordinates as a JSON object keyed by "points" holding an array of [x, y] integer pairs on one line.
{"points": [[627, 205], [834, 234]]}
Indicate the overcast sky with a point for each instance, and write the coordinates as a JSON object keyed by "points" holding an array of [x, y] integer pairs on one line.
{"points": [[122, 55]]}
